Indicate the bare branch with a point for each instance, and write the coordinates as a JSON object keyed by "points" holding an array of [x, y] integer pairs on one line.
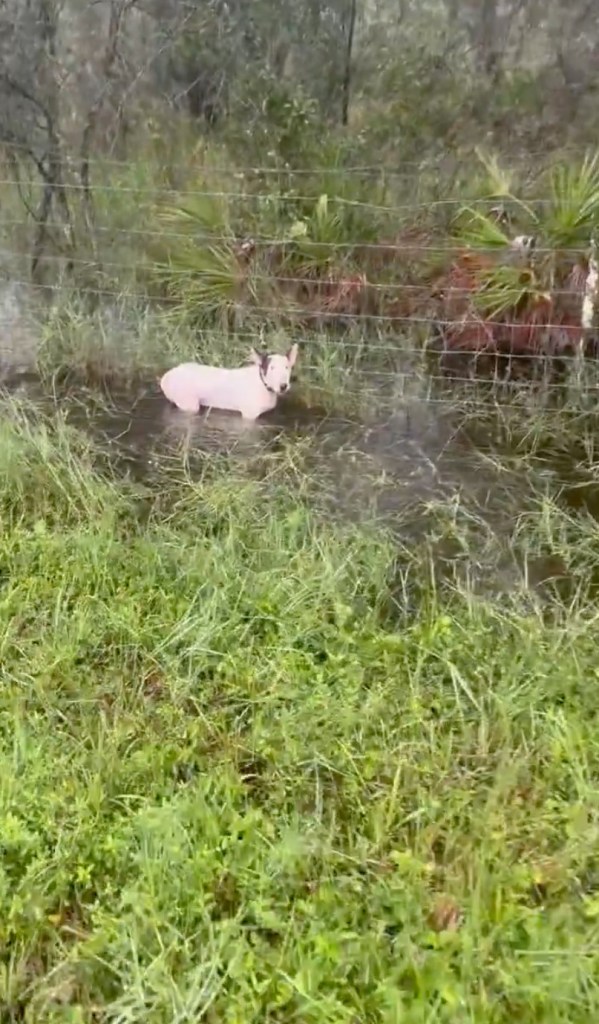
{"points": [[118, 12]]}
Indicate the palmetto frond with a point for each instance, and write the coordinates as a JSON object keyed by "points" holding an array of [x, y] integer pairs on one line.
{"points": [[199, 261], [572, 212], [528, 283]]}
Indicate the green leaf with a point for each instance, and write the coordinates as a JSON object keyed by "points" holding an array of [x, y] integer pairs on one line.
{"points": [[573, 211], [500, 180], [481, 231]]}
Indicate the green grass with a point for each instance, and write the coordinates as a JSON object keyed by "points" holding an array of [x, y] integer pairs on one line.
{"points": [[257, 766]]}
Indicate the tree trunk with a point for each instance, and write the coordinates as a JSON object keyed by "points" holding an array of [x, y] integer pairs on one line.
{"points": [[488, 37], [347, 71]]}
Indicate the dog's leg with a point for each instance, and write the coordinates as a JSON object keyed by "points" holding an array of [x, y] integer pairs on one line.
{"points": [[190, 404]]}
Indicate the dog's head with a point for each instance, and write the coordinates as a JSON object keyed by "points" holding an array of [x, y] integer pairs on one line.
{"points": [[275, 369]]}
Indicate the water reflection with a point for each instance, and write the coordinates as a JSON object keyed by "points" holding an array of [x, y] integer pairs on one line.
{"points": [[399, 467]]}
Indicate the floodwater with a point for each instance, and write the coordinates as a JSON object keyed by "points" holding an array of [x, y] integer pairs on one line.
{"points": [[411, 470], [398, 464], [382, 468]]}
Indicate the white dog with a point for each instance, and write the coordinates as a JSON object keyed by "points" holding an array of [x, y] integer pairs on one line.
{"points": [[250, 390]]}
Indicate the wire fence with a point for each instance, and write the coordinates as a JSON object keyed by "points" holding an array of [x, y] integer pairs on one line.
{"points": [[93, 262], [350, 323], [400, 248], [404, 168], [259, 198], [408, 167]]}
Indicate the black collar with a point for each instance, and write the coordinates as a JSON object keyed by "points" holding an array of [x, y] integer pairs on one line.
{"points": [[267, 386]]}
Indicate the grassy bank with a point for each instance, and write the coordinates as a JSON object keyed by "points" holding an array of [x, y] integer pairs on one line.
{"points": [[260, 767]]}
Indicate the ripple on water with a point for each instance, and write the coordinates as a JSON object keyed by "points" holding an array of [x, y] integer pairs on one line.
{"points": [[395, 468]]}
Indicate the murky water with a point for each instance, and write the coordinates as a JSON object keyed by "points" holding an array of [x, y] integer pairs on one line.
{"points": [[395, 464], [379, 467], [395, 469]]}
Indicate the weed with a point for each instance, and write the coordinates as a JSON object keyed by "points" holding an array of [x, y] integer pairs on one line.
{"points": [[238, 786]]}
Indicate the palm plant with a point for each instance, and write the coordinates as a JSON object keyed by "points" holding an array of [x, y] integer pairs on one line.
{"points": [[316, 238], [319, 257], [205, 272], [533, 255]]}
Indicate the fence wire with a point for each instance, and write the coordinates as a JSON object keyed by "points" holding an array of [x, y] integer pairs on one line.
{"points": [[346, 341], [409, 168], [161, 191]]}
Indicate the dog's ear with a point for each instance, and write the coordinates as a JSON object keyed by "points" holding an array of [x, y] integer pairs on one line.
{"points": [[260, 359], [292, 355]]}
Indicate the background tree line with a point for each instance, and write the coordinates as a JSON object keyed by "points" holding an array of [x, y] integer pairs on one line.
{"points": [[399, 84]]}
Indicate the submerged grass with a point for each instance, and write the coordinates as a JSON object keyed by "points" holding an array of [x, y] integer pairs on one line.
{"points": [[369, 373], [260, 767], [125, 345]]}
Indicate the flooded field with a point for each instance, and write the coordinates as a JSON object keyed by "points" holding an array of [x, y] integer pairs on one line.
{"points": [[423, 471], [404, 457]]}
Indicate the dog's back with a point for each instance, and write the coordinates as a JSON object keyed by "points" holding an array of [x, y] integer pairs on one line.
{"points": [[181, 385], [191, 385]]}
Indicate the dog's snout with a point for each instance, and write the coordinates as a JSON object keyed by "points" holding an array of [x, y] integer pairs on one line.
{"points": [[284, 388]]}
